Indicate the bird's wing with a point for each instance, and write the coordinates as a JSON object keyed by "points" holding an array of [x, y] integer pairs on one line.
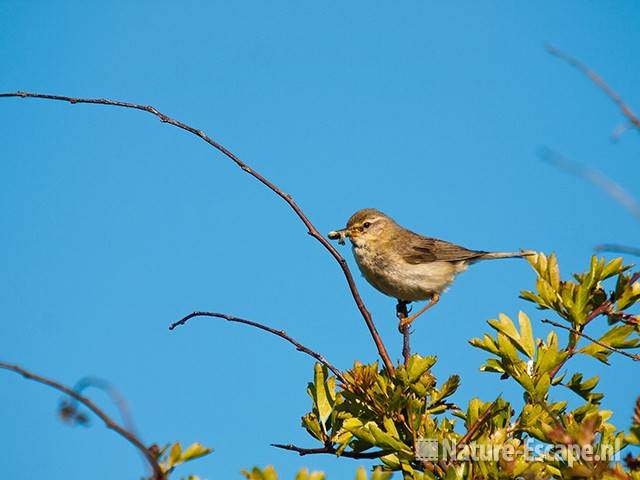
{"points": [[425, 250]]}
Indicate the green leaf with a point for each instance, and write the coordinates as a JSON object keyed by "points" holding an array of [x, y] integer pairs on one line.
{"points": [[268, 473], [526, 334], [505, 326], [553, 272], [195, 450], [392, 461], [626, 294], [585, 389], [447, 389], [492, 365], [616, 337], [486, 343], [311, 424], [548, 356], [359, 430], [390, 427], [614, 267], [174, 455], [507, 349], [542, 386], [386, 441], [417, 366], [322, 393], [379, 474]]}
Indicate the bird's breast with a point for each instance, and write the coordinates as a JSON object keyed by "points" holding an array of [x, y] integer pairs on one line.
{"points": [[401, 280]]}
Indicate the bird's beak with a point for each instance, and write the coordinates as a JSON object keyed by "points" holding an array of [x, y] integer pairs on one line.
{"points": [[339, 235]]}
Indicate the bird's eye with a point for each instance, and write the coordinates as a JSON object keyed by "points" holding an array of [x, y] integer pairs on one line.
{"points": [[366, 224]]}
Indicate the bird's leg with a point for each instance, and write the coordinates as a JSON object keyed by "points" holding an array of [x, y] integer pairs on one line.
{"points": [[402, 310], [405, 322]]}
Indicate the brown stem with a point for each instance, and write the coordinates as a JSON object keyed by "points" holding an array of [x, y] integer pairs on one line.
{"points": [[402, 313], [108, 422], [603, 309], [476, 425], [597, 79], [279, 333], [632, 356], [314, 451], [311, 229]]}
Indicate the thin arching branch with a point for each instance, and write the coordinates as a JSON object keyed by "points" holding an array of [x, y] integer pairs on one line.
{"points": [[597, 79], [108, 421], [615, 248], [604, 183], [114, 394], [329, 450], [632, 356], [279, 333], [311, 229]]}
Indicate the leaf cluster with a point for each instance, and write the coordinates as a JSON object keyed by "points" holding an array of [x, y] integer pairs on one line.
{"points": [[390, 415]]}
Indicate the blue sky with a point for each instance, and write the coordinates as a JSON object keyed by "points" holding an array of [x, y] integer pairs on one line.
{"points": [[113, 225]]}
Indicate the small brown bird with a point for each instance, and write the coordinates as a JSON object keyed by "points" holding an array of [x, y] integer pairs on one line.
{"points": [[405, 265]]}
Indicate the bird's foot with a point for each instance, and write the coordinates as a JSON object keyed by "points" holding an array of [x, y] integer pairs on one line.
{"points": [[406, 321], [404, 324]]}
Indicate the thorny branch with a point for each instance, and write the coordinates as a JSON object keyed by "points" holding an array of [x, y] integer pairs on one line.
{"points": [[279, 333], [598, 80], [311, 229], [632, 356], [108, 422], [329, 449]]}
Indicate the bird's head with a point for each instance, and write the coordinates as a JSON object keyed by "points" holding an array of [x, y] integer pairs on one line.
{"points": [[365, 227]]}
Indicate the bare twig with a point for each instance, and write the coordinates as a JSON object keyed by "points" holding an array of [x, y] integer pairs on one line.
{"points": [[604, 183], [467, 437], [279, 333], [108, 422], [476, 425], [574, 337], [614, 248], [330, 450], [597, 79], [603, 309], [632, 356], [571, 350], [627, 318], [311, 229]]}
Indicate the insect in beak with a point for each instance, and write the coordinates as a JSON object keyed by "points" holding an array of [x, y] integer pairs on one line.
{"points": [[339, 235]]}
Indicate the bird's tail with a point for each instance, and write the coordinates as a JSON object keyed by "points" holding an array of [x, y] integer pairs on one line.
{"points": [[521, 253]]}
